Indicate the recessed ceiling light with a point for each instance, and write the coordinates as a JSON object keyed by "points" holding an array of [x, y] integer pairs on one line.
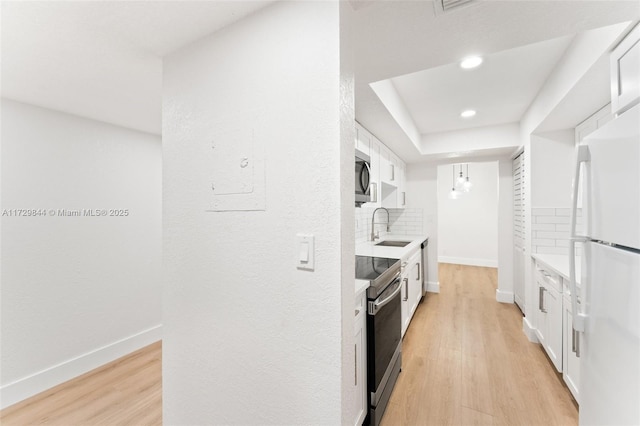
{"points": [[471, 62], [468, 113]]}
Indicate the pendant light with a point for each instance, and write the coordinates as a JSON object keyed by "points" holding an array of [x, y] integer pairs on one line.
{"points": [[466, 186], [460, 180], [453, 194]]}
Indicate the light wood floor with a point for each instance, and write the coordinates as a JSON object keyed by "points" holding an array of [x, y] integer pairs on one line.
{"points": [[127, 391], [466, 361]]}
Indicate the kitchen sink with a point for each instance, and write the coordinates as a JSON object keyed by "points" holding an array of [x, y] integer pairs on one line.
{"points": [[393, 243]]}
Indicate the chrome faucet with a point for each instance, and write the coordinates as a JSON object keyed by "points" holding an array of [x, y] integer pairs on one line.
{"points": [[373, 216]]}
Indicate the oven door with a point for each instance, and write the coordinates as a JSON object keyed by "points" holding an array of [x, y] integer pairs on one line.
{"points": [[383, 338]]}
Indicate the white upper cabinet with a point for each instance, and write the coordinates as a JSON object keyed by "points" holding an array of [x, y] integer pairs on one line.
{"points": [[387, 178], [625, 72], [363, 140], [402, 181]]}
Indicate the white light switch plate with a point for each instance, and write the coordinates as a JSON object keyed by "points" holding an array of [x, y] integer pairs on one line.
{"points": [[305, 251]]}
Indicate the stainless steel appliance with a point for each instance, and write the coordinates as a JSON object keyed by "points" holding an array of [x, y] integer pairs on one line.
{"points": [[384, 341], [425, 281], [363, 170]]}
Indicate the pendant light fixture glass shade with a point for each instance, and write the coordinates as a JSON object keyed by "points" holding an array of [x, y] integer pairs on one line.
{"points": [[453, 195]]}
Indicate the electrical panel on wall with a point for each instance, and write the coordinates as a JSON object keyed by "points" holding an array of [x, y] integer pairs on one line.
{"points": [[236, 162]]}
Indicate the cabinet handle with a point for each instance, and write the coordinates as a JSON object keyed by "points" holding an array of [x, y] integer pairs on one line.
{"points": [[373, 190], [393, 172], [406, 290], [541, 291], [577, 344], [404, 198], [355, 359], [418, 266]]}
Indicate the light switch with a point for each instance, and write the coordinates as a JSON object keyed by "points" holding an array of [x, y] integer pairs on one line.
{"points": [[305, 251]]}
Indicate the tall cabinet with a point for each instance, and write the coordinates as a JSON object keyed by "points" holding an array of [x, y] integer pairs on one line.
{"points": [[519, 230]]}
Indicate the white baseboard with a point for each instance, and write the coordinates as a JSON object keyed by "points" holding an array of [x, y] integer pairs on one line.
{"points": [[433, 287], [489, 263], [529, 330], [40, 381], [504, 296]]}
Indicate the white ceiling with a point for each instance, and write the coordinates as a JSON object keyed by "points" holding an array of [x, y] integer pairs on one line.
{"points": [[397, 38], [103, 59], [500, 90]]}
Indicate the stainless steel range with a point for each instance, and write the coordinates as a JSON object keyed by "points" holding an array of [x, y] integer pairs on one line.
{"points": [[384, 341]]}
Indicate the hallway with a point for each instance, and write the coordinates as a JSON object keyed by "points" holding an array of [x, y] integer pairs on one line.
{"points": [[466, 361]]}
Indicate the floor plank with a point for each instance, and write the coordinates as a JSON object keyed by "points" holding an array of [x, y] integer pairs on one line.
{"points": [[469, 363], [127, 391]]}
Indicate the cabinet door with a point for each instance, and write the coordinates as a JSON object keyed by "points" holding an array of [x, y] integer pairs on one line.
{"points": [[402, 179], [374, 177], [405, 304], [553, 326], [363, 140], [361, 395], [625, 69], [360, 359], [415, 281], [570, 362], [540, 313]]}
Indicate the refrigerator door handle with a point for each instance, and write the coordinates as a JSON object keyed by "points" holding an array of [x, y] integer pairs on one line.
{"points": [[583, 156]]}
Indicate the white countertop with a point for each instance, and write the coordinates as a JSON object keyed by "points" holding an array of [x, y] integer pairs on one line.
{"points": [[361, 285], [559, 264], [369, 248]]}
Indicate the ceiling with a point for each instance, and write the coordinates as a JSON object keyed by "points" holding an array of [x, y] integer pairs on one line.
{"points": [[500, 89], [407, 43], [103, 59]]}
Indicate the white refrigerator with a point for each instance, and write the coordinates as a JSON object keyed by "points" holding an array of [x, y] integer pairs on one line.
{"points": [[607, 328]]}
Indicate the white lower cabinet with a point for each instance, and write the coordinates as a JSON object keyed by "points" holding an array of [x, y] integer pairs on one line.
{"points": [[360, 358], [570, 360], [549, 314], [411, 287]]}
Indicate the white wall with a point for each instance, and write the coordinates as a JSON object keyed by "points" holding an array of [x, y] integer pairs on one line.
{"points": [[552, 168], [504, 292], [488, 138], [248, 337], [77, 292], [468, 226], [422, 193]]}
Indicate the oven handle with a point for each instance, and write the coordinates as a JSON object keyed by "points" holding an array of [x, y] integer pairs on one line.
{"points": [[376, 305]]}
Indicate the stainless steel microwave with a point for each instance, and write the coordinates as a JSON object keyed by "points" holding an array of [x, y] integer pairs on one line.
{"points": [[363, 170]]}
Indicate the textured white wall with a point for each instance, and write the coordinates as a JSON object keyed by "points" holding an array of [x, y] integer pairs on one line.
{"points": [[468, 226], [248, 338], [422, 193], [77, 292]]}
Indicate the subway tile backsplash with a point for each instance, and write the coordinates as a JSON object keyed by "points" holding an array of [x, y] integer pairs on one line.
{"points": [[401, 222], [550, 230]]}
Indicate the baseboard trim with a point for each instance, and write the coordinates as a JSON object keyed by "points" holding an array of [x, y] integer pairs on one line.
{"points": [[21, 389], [504, 296], [529, 330], [488, 263], [433, 287]]}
